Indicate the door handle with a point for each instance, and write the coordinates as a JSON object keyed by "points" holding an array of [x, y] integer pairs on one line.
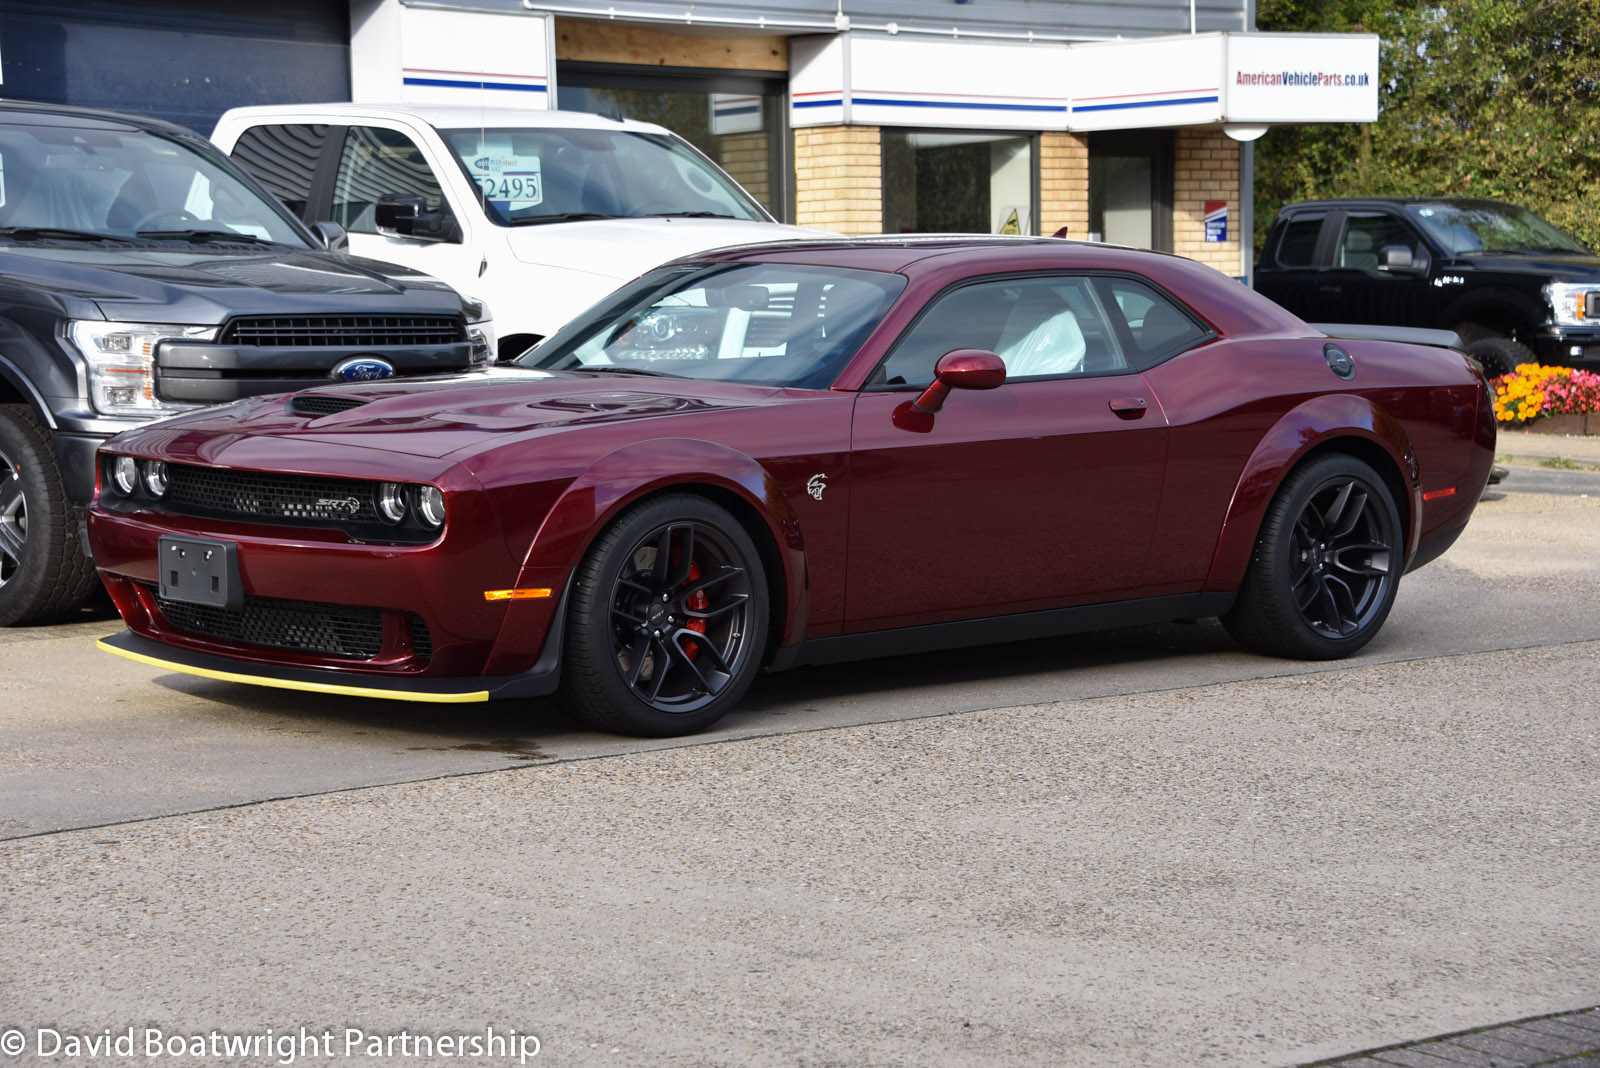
{"points": [[1129, 407]]}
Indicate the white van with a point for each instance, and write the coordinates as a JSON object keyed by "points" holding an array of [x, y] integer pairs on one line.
{"points": [[537, 214]]}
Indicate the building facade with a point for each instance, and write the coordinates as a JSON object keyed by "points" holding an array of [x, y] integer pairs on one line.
{"points": [[1125, 121]]}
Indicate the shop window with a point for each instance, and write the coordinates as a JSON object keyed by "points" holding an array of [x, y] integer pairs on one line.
{"points": [[1130, 188], [376, 163], [735, 119], [957, 182], [283, 158]]}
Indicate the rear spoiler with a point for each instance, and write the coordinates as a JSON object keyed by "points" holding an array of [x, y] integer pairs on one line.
{"points": [[1411, 335]]}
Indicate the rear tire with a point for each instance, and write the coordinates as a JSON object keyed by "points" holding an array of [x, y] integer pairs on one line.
{"points": [[1326, 566], [668, 620], [1499, 355], [44, 576]]}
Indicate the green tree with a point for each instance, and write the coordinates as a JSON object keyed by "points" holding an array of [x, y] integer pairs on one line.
{"points": [[1487, 98]]}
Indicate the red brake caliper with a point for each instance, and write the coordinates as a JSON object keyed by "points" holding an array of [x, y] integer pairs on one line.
{"points": [[695, 602]]}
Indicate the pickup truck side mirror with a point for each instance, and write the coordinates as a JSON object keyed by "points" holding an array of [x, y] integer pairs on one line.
{"points": [[403, 214], [332, 235], [1398, 259]]}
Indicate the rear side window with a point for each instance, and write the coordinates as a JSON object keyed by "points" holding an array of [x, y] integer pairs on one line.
{"points": [[1298, 245], [284, 159], [1156, 326]]}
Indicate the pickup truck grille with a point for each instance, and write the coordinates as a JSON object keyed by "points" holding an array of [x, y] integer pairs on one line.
{"points": [[355, 331]]}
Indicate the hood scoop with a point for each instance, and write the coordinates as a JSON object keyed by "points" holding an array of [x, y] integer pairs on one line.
{"points": [[315, 404]]}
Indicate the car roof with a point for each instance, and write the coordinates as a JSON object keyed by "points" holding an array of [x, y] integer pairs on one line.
{"points": [[1368, 202], [903, 253], [451, 116], [31, 113]]}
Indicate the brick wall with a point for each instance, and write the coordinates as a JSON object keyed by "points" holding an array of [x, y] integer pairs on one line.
{"points": [[1207, 169], [1064, 184], [745, 156], [839, 178]]}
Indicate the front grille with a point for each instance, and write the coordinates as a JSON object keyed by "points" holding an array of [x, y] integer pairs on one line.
{"points": [[347, 331], [315, 404], [301, 626], [421, 637], [217, 491]]}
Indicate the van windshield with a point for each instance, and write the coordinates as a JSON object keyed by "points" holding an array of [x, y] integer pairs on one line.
{"points": [[60, 181], [542, 175]]}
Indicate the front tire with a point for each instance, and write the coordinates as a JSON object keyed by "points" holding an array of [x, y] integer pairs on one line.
{"points": [[667, 622], [1499, 355], [1326, 566], [44, 576]]}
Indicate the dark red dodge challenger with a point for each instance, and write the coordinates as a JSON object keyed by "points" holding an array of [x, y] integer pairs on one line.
{"points": [[795, 454]]}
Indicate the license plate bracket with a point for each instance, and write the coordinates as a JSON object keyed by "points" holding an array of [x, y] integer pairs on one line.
{"points": [[200, 571]]}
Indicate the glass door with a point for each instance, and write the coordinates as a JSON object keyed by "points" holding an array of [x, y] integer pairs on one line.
{"points": [[1130, 188]]}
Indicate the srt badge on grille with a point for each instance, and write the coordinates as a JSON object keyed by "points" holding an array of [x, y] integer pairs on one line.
{"points": [[361, 369], [347, 505]]}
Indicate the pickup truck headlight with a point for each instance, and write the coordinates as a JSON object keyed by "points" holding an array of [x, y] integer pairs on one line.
{"points": [[1573, 304], [480, 330], [121, 359]]}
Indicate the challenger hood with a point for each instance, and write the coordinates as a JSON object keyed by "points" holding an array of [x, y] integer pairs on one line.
{"points": [[442, 417], [622, 249], [165, 283]]}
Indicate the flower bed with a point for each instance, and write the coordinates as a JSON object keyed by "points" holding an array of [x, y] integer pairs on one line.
{"points": [[1556, 400]]}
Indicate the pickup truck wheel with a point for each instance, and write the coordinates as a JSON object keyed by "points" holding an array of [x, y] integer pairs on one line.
{"points": [[44, 575], [1326, 566], [1499, 355]]}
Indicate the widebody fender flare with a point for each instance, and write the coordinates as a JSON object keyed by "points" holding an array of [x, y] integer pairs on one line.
{"points": [[1317, 423], [640, 469]]}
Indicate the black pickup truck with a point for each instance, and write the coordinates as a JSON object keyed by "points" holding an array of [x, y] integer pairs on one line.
{"points": [[1515, 288], [141, 274]]}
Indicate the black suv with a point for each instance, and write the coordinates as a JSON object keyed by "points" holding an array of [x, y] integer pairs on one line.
{"points": [[142, 273], [1514, 287]]}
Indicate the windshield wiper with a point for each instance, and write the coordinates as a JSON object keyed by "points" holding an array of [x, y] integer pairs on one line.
{"points": [[56, 233], [623, 371], [200, 237], [566, 216], [685, 215]]}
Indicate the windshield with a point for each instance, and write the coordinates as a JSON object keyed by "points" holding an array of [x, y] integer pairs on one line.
{"points": [[544, 175], [125, 184], [763, 323], [1483, 226]]}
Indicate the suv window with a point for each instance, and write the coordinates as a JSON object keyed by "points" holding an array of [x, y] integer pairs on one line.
{"points": [[1366, 233], [377, 162], [283, 158], [1298, 245], [1042, 327]]}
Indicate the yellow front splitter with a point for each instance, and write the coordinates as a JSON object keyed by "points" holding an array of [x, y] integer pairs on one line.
{"points": [[130, 646]]}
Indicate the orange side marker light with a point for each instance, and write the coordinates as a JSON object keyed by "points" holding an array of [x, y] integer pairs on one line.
{"points": [[1434, 495], [527, 593]]}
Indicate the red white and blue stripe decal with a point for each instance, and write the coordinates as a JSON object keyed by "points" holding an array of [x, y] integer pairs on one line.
{"points": [[886, 98], [724, 107], [1126, 101], [461, 79]]}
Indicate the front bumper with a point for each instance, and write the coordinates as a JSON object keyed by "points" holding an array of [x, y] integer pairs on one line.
{"points": [[1568, 346]]}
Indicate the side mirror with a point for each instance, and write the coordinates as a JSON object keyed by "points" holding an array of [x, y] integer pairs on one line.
{"points": [[1398, 258], [403, 213], [961, 369], [333, 236]]}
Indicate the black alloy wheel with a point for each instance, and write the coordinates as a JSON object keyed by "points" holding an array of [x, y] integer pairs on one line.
{"points": [[668, 620], [44, 575], [1327, 563]]}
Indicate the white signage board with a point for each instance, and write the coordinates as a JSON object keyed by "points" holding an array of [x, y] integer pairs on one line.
{"points": [[468, 57], [1140, 84], [1299, 77]]}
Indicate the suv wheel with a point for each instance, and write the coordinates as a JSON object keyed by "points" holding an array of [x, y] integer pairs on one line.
{"points": [[1499, 355], [44, 575]]}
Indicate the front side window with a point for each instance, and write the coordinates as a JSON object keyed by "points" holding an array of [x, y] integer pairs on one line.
{"points": [[1368, 233], [761, 323], [1042, 327], [542, 175], [956, 181], [283, 158], [127, 183], [377, 163]]}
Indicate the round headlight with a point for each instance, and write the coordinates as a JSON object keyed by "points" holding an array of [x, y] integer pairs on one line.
{"points": [[124, 475], [391, 502], [155, 478], [430, 505]]}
